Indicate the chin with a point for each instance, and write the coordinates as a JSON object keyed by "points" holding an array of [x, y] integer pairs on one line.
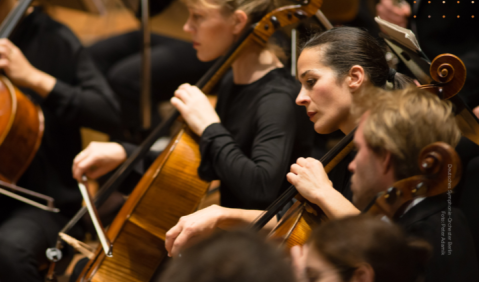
{"points": [[206, 57], [321, 129]]}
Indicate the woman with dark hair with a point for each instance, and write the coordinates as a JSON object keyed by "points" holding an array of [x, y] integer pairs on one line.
{"points": [[332, 67], [256, 130], [360, 248]]}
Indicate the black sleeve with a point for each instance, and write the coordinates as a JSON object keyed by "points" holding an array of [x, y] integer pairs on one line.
{"points": [[87, 102], [141, 166], [257, 178]]}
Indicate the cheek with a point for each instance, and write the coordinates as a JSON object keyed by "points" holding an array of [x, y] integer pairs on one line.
{"points": [[332, 109], [216, 39]]}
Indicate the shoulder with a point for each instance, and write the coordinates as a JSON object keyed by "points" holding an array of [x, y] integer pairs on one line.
{"points": [[278, 84], [55, 33]]}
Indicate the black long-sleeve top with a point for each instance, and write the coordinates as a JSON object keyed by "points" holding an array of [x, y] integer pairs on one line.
{"points": [[262, 132], [80, 98]]}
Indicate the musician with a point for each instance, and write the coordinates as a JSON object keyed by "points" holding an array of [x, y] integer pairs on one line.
{"points": [[173, 62], [391, 133], [48, 63], [333, 67], [360, 248], [256, 130], [230, 256], [449, 34], [332, 202]]}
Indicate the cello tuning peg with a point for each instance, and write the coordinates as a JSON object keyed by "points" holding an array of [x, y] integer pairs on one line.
{"points": [[275, 22], [300, 14]]}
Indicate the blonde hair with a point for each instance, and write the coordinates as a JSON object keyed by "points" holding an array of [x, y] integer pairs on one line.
{"points": [[255, 9], [403, 122]]}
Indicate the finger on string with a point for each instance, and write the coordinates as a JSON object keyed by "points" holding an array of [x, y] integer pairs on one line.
{"points": [[182, 95], [171, 236], [180, 242], [295, 168], [292, 178], [178, 104], [301, 161]]}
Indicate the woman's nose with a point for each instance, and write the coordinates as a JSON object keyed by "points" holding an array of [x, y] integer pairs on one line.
{"points": [[302, 98]]}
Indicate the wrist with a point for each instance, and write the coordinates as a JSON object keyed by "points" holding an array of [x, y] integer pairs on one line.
{"points": [[42, 83], [321, 195]]}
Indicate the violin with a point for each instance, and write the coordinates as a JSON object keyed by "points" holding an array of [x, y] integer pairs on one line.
{"points": [[171, 187]]}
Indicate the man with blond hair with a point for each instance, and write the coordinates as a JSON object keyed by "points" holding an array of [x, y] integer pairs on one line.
{"points": [[393, 128]]}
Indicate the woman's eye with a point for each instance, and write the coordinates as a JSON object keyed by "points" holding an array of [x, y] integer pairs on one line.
{"points": [[196, 16], [310, 82]]}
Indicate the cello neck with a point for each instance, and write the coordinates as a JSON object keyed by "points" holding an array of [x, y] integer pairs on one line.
{"points": [[13, 18]]}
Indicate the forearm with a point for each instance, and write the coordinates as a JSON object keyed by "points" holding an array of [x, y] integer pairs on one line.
{"points": [[41, 82], [232, 218], [334, 204]]}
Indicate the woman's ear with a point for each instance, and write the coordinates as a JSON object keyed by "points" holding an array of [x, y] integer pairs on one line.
{"points": [[364, 273], [356, 77], [240, 20]]}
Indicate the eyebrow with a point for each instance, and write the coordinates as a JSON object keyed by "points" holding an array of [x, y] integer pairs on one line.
{"points": [[304, 73]]}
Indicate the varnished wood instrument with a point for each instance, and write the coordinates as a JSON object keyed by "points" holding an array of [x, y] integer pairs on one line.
{"points": [[441, 171], [449, 71], [171, 187], [296, 225], [21, 128], [21, 121]]}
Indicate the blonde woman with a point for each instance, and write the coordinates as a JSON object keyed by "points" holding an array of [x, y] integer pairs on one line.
{"points": [[256, 131]]}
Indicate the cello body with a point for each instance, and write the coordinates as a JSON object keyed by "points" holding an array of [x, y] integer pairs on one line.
{"points": [[170, 189], [21, 131]]}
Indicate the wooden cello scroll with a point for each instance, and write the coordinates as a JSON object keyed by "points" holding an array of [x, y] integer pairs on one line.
{"points": [[449, 75], [440, 172], [171, 187]]}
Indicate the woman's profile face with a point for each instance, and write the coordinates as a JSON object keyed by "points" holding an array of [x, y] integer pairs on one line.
{"points": [[327, 99], [318, 269], [213, 32]]}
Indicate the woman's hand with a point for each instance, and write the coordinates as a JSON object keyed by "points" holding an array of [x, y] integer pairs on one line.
{"points": [[309, 178], [192, 228], [21, 72], [98, 159], [195, 108], [394, 13]]}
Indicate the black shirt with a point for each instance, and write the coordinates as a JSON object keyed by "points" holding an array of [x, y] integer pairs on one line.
{"points": [[80, 98], [262, 132]]}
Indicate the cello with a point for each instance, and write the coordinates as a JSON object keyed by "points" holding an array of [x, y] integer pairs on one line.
{"points": [[171, 188], [21, 121], [295, 227], [21, 128]]}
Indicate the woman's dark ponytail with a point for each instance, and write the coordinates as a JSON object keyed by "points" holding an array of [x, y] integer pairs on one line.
{"points": [[345, 47]]}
